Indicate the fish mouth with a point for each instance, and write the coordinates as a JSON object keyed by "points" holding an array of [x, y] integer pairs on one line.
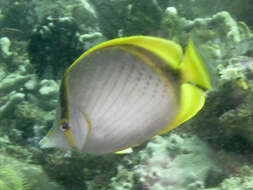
{"points": [[54, 141]]}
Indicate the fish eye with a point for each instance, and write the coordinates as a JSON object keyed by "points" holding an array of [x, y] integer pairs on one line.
{"points": [[64, 126]]}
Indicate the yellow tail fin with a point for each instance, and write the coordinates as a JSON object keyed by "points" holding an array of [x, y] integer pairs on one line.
{"points": [[195, 79], [193, 69], [192, 100]]}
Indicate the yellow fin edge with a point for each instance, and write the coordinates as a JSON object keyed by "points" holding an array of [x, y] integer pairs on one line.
{"points": [[69, 137], [193, 69], [192, 101], [167, 50], [85, 116], [124, 151]]}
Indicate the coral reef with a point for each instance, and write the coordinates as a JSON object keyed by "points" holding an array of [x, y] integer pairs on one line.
{"points": [[54, 43], [36, 48], [5, 45], [23, 99], [15, 175], [205, 8], [241, 182], [124, 18], [213, 33], [234, 96], [10, 179], [174, 162]]}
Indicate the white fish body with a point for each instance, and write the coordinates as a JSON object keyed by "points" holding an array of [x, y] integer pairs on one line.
{"points": [[118, 97], [125, 100]]}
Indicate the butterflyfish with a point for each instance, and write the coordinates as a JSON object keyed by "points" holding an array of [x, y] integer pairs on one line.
{"points": [[123, 92]]}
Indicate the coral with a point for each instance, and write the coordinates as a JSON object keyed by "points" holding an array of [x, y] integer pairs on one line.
{"points": [[214, 33], [51, 46], [32, 12], [24, 102], [79, 171], [15, 175], [49, 35], [11, 179], [5, 45], [55, 40], [226, 121], [31, 113], [111, 16], [187, 158], [48, 88], [11, 100], [91, 39], [170, 162], [124, 18], [238, 119], [205, 8], [32, 83], [234, 95], [124, 180], [139, 22], [11, 81], [244, 181]]}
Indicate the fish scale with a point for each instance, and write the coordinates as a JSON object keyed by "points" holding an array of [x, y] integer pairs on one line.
{"points": [[138, 98], [116, 93], [146, 109], [106, 77], [124, 94], [87, 84], [119, 93], [96, 87], [130, 94], [143, 88], [106, 93]]}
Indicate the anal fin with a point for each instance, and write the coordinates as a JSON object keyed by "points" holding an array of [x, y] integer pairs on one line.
{"points": [[124, 151]]}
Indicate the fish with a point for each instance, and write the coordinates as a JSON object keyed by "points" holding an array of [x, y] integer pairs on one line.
{"points": [[125, 91]]}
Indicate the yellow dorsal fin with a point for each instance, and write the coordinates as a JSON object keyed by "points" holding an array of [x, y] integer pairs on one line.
{"points": [[195, 79], [167, 50], [192, 100], [193, 69]]}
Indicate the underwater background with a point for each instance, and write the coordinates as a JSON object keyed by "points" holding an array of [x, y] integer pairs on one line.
{"points": [[40, 39]]}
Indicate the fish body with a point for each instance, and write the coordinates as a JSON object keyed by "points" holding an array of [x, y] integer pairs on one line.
{"points": [[125, 91]]}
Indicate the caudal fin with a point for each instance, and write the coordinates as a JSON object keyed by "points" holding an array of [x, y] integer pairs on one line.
{"points": [[193, 70]]}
